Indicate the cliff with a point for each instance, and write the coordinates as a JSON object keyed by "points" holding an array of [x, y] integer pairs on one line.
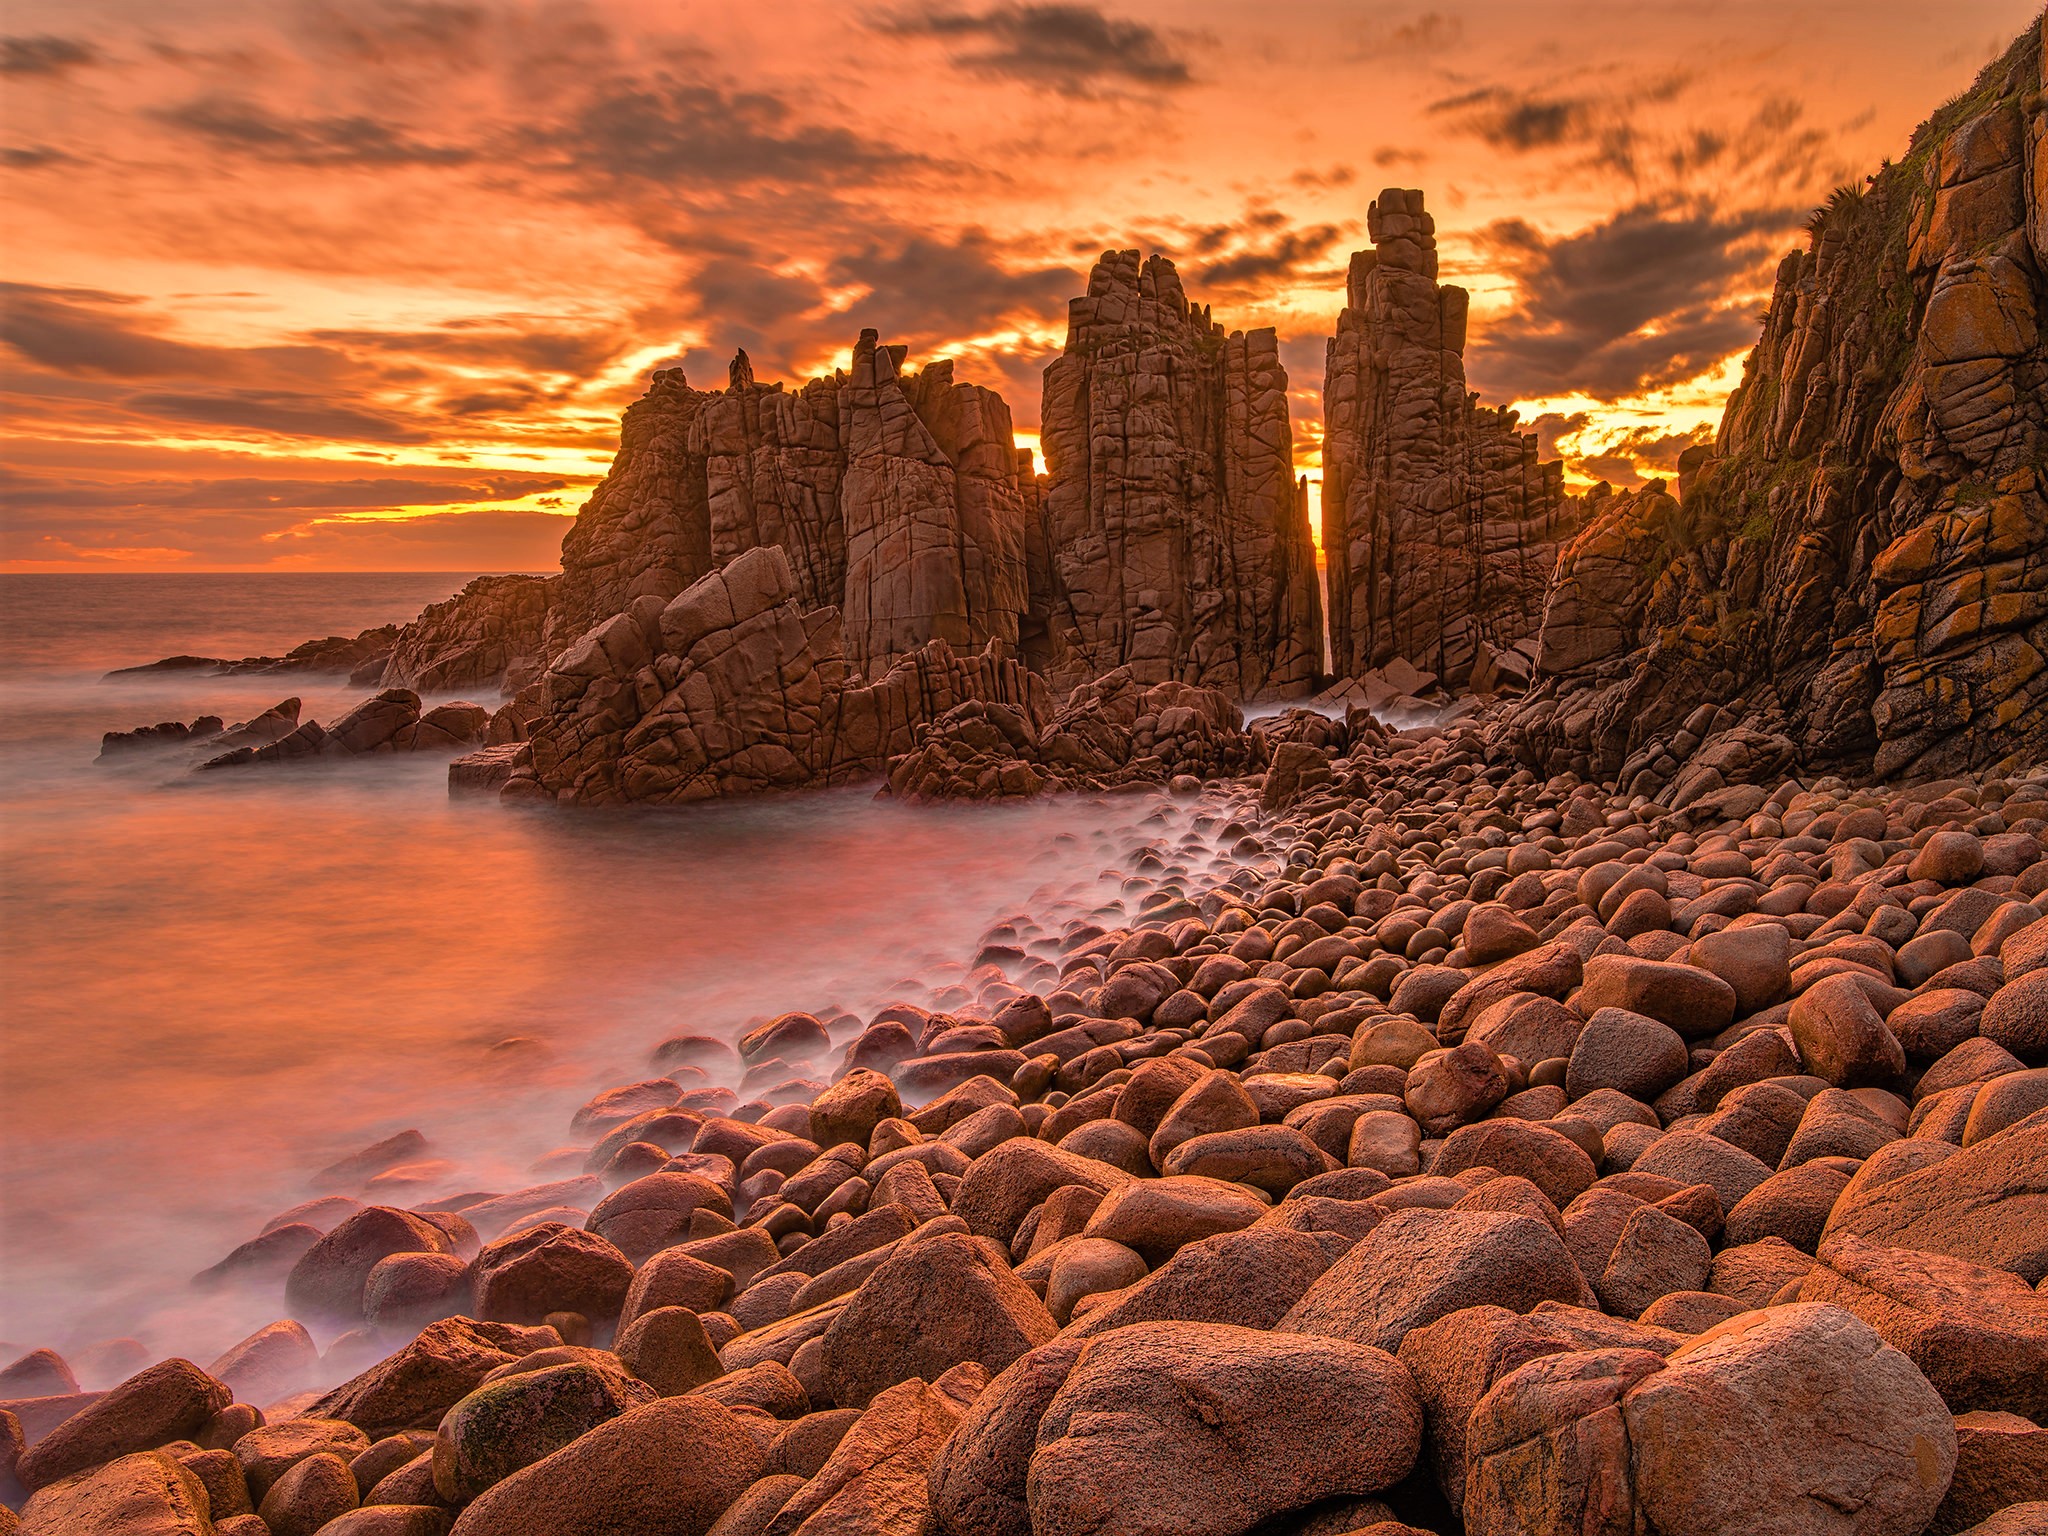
{"points": [[1860, 562]]}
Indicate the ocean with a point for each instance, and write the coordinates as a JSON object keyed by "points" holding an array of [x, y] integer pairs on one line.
{"points": [[212, 985]]}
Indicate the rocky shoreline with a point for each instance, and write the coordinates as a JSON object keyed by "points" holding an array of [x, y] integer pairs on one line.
{"points": [[1617, 1106], [1450, 1150]]}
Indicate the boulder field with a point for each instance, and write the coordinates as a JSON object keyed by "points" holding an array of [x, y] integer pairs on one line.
{"points": [[1447, 1151]]}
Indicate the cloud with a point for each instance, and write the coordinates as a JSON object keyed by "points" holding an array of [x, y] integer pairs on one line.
{"points": [[1289, 254], [1653, 295], [923, 289], [1658, 449], [78, 331], [1072, 50], [1518, 120], [284, 412], [394, 33], [1430, 33], [1551, 426], [44, 55], [497, 342], [89, 339], [33, 157], [239, 125], [373, 493], [674, 132]]}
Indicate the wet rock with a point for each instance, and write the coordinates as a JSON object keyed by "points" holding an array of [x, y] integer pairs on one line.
{"points": [[1841, 1037], [309, 1495], [412, 1388], [328, 1281], [877, 1478], [1627, 1053], [1546, 1158], [1005, 1183], [143, 1491], [1691, 1001], [265, 1454], [551, 1268], [1249, 1279], [1269, 1157], [668, 1348]]}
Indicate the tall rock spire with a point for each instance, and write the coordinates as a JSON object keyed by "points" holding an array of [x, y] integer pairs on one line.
{"points": [[1439, 525]]}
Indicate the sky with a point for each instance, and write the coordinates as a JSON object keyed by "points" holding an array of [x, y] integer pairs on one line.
{"points": [[364, 284]]}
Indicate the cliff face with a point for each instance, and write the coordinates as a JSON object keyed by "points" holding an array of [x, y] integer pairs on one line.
{"points": [[1861, 560], [1440, 527], [1175, 541]]}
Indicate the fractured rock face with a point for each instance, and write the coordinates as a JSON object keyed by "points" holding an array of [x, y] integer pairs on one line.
{"points": [[1439, 525], [1860, 563], [734, 688], [1177, 540]]}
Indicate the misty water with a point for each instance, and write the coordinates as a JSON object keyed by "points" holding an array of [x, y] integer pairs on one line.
{"points": [[217, 983]]}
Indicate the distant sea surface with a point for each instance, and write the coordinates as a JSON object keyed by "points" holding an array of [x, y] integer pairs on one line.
{"points": [[212, 984]]}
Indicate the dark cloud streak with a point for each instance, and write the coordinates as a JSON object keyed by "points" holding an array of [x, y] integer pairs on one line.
{"points": [[1072, 50]]}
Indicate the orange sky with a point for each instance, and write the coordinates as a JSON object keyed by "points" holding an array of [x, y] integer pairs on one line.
{"points": [[364, 284]]}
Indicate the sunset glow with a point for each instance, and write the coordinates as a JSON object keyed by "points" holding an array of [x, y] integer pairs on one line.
{"points": [[364, 284]]}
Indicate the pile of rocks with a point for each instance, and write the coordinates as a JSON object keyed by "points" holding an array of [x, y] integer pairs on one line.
{"points": [[1111, 732], [1452, 1151]]}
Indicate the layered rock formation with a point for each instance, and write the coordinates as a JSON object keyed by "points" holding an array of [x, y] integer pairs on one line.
{"points": [[1862, 558], [1440, 527], [898, 497], [1176, 538]]}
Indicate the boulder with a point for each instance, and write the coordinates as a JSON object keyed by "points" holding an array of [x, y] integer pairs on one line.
{"points": [[1986, 1203], [934, 1304], [513, 1422], [671, 1466], [143, 1492], [173, 1400], [1419, 1265], [1980, 1335], [1200, 1429]]}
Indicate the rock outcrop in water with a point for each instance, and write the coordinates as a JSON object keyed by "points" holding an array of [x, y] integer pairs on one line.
{"points": [[392, 721], [1440, 527], [1176, 537], [1860, 562]]}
